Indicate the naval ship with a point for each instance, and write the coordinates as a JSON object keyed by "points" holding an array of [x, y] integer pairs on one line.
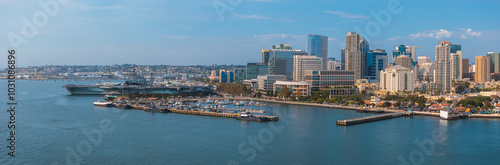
{"points": [[136, 85]]}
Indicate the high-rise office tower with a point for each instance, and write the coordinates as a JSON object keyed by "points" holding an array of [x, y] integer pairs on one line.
{"points": [[405, 61], [410, 51], [377, 61], [495, 62], [456, 65], [318, 45], [465, 66], [356, 53], [256, 69], [442, 72], [281, 60], [482, 69], [265, 56], [423, 60], [303, 63], [240, 74]]}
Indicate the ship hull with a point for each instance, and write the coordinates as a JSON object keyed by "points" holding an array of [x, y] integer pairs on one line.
{"points": [[105, 90]]}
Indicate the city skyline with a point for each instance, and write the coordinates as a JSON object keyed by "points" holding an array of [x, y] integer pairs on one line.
{"points": [[94, 32]]}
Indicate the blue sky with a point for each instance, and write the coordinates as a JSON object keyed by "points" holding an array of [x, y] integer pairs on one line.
{"points": [[186, 32]]}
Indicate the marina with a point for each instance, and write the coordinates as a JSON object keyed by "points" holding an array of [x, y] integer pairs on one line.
{"points": [[201, 107]]}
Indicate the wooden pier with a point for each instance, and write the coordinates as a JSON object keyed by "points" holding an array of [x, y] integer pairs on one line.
{"points": [[368, 119]]}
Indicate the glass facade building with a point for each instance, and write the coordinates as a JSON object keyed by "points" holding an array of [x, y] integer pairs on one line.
{"points": [[281, 61], [256, 69], [376, 62], [318, 45]]}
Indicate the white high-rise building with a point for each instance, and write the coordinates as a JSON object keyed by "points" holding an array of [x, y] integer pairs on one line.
{"points": [[301, 63], [442, 72], [396, 79], [456, 65]]}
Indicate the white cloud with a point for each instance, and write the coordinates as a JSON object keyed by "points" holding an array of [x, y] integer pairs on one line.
{"points": [[463, 36], [347, 15], [394, 38], [471, 33], [175, 37], [332, 39], [254, 16], [442, 33]]}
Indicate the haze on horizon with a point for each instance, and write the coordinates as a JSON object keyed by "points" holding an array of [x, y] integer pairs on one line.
{"points": [[191, 32]]}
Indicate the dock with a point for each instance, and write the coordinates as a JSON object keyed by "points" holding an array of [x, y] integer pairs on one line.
{"points": [[368, 119], [205, 113]]}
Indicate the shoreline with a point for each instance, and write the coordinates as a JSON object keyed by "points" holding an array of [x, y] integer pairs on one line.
{"points": [[418, 113]]}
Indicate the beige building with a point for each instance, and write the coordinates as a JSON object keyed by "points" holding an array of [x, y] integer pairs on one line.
{"points": [[482, 69], [396, 79], [405, 61], [355, 54], [426, 72], [301, 63], [297, 88], [442, 72]]}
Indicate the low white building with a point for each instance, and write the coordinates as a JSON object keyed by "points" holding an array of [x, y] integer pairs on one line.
{"points": [[396, 79], [266, 82], [297, 88]]}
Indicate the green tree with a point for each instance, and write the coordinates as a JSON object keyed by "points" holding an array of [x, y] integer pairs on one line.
{"points": [[285, 92]]}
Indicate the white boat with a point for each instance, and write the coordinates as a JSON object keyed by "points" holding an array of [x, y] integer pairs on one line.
{"points": [[209, 101], [241, 103], [103, 103]]}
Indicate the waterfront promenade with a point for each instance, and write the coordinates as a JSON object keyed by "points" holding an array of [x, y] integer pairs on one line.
{"points": [[419, 113]]}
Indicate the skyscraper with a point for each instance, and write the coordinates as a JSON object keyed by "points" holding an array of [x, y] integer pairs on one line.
{"points": [[442, 72], [377, 61], [465, 66], [281, 60], [410, 51], [356, 53], [495, 62], [405, 61], [482, 69], [318, 45], [456, 65], [265, 56], [303, 63]]}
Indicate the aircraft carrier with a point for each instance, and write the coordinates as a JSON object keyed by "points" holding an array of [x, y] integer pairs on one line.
{"points": [[136, 85]]}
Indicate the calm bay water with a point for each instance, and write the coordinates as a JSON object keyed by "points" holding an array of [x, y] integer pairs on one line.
{"points": [[51, 127]]}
